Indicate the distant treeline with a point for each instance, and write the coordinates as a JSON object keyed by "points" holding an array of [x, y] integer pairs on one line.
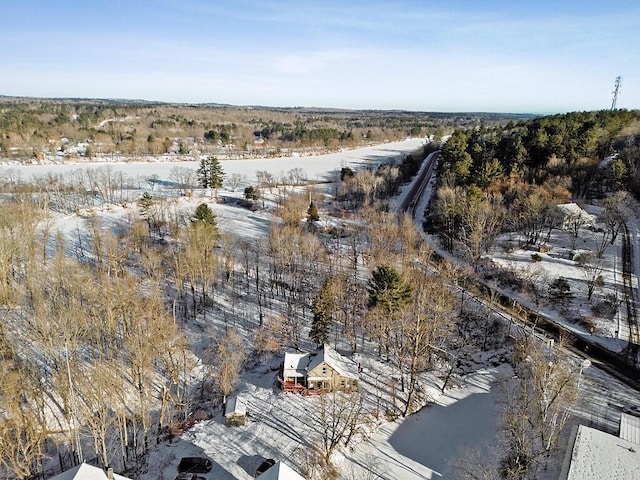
{"points": [[35, 127]]}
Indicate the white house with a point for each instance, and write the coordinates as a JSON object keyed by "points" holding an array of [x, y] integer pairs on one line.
{"points": [[295, 367], [596, 455]]}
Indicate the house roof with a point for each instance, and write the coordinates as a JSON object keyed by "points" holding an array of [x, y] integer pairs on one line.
{"points": [[573, 209], [281, 471], [235, 406], [596, 455], [84, 471], [344, 366], [295, 364]]}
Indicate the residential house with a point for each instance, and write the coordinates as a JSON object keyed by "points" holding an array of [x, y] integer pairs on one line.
{"points": [[323, 370]]}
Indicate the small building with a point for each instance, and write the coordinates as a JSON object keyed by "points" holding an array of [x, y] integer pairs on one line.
{"points": [[84, 471], [595, 455], [235, 411], [323, 370], [281, 471], [574, 216]]}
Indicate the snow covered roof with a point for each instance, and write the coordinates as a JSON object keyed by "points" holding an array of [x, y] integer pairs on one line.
{"points": [[630, 428], [573, 209], [235, 406], [596, 455], [295, 364], [84, 471], [281, 471], [340, 364]]}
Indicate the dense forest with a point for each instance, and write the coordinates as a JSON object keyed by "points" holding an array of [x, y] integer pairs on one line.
{"points": [[512, 177]]}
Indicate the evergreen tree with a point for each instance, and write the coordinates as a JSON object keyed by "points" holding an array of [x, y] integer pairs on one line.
{"points": [[144, 204], [312, 213], [210, 173], [388, 290], [323, 308], [251, 193], [204, 214], [216, 174]]}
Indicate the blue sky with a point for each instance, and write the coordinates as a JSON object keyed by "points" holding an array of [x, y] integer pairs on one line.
{"points": [[536, 56]]}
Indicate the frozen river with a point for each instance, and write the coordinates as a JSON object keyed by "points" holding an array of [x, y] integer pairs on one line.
{"points": [[316, 168]]}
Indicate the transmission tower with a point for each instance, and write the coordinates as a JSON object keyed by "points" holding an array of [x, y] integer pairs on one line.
{"points": [[615, 92]]}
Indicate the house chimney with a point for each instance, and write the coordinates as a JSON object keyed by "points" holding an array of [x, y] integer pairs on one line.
{"points": [[110, 473]]}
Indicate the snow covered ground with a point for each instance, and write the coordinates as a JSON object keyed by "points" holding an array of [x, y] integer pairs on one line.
{"points": [[282, 426], [316, 168]]}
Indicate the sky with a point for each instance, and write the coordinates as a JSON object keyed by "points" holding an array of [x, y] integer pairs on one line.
{"points": [[523, 56]]}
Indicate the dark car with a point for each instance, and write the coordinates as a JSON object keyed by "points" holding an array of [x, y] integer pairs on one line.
{"points": [[189, 476], [194, 465], [264, 466]]}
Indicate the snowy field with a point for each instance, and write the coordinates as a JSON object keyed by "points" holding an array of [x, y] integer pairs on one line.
{"points": [[576, 313]]}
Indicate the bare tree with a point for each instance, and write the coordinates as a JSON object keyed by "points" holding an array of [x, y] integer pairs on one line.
{"points": [[229, 355], [23, 429], [296, 175], [341, 416], [235, 180], [422, 332], [592, 268], [539, 406], [617, 209], [185, 179]]}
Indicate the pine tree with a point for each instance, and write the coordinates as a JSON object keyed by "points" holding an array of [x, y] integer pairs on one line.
{"points": [[204, 214], [203, 173], [323, 308], [210, 173], [312, 213], [251, 193], [144, 204], [216, 174], [388, 290]]}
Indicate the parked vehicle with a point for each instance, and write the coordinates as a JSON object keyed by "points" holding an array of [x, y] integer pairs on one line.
{"points": [[264, 466], [189, 476], [194, 465]]}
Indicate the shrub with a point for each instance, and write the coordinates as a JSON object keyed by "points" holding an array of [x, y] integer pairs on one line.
{"points": [[560, 288]]}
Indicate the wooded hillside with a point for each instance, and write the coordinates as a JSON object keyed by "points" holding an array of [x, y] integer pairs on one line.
{"points": [[32, 128]]}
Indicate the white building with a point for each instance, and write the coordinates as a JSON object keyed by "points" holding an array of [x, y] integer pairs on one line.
{"points": [[575, 216], [84, 471], [596, 455], [281, 471]]}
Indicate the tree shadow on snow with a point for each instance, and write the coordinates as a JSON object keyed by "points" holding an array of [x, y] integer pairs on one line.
{"points": [[436, 436]]}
